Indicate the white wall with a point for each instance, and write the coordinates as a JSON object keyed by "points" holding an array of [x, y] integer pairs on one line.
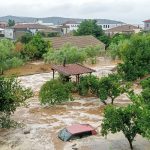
{"points": [[73, 26], [9, 33], [109, 26]]}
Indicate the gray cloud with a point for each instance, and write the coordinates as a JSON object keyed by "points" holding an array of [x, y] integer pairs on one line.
{"points": [[131, 11]]}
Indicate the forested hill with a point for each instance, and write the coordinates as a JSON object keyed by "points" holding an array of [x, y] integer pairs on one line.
{"points": [[54, 20]]}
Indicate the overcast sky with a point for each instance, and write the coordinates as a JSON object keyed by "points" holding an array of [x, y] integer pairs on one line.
{"points": [[129, 11]]}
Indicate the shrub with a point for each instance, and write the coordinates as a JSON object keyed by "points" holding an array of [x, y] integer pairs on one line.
{"points": [[55, 92], [88, 83], [8, 56], [12, 95]]}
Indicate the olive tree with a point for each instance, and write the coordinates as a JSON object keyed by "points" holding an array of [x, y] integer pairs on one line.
{"points": [[12, 95], [109, 87], [124, 119], [8, 56]]}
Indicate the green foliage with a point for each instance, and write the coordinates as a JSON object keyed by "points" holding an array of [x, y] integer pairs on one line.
{"points": [[145, 83], [12, 95], [53, 34], [105, 39], [116, 50], [26, 38], [71, 53], [35, 46], [55, 92], [11, 22], [123, 119], [89, 27], [88, 84], [109, 87], [136, 58], [9, 58], [117, 38]]}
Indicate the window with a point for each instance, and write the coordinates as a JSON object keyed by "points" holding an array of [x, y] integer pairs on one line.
{"points": [[108, 26], [147, 24]]}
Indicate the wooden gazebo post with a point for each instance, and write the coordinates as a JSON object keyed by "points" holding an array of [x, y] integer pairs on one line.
{"points": [[53, 73]]}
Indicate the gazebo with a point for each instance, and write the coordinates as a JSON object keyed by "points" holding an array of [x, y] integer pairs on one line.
{"points": [[71, 70]]}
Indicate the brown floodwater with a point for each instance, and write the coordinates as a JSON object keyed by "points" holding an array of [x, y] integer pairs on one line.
{"points": [[44, 123]]}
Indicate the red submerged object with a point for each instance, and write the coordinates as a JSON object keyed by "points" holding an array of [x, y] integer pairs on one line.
{"points": [[76, 131]]}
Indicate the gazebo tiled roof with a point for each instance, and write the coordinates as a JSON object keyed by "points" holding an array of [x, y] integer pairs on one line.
{"points": [[72, 69]]}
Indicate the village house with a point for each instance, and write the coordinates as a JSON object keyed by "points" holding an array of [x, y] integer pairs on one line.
{"points": [[79, 41], [126, 29], [108, 24], [104, 23], [147, 25], [20, 29], [72, 24], [3, 25]]}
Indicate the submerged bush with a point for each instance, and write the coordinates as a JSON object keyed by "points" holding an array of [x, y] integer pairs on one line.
{"points": [[55, 92]]}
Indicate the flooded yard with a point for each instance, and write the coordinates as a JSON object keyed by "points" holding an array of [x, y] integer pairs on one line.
{"points": [[40, 124]]}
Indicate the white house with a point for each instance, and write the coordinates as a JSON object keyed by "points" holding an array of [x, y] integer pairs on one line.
{"points": [[73, 25], [147, 25], [108, 24], [104, 23], [20, 29]]}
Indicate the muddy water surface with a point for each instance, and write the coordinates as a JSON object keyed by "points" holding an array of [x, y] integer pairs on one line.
{"points": [[41, 124]]}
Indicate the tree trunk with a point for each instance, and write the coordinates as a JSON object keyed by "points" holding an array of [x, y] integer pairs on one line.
{"points": [[112, 101], [130, 142], [104, 102]]}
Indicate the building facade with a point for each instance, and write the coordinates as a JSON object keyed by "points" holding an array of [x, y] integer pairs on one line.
{"points": [[147, 25]]}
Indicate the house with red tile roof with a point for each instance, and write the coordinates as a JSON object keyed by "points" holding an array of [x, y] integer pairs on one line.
{"points": [[78, 41], [20, 29], [126, 29]]}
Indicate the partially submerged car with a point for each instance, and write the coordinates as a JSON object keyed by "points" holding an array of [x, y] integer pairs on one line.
{"points": [[76, 131]]}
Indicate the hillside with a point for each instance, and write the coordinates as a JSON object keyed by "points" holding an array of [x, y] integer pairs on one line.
{"points": [[54, 20]]}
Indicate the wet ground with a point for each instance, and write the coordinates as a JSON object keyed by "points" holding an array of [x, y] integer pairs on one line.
{"points": [[41, 124]]}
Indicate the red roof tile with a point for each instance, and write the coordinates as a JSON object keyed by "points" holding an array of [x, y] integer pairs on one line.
{"points": [[147, 21], [30, 26], [79, 128], [72, 69], [79, 41]]}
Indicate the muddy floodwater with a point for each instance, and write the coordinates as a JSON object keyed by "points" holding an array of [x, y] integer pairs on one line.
{"points": [[40, 124]]}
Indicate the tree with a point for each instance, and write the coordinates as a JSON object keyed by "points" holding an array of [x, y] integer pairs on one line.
{"points": [[136, 58], [55, 92], [41, 45], [117, 38], [12, 95], [88, 84], [26, 38], [123, 119], [89, 27], [11, 22], [109, 87], [35, 46], [71, 53], [8, 56]]}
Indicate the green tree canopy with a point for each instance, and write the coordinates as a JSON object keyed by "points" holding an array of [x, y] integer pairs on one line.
{"points": [[55, 92], [12, 95], [136, 57], [8, 56], [11, 22], [109, 87], [89, 27], [123, 119]]}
